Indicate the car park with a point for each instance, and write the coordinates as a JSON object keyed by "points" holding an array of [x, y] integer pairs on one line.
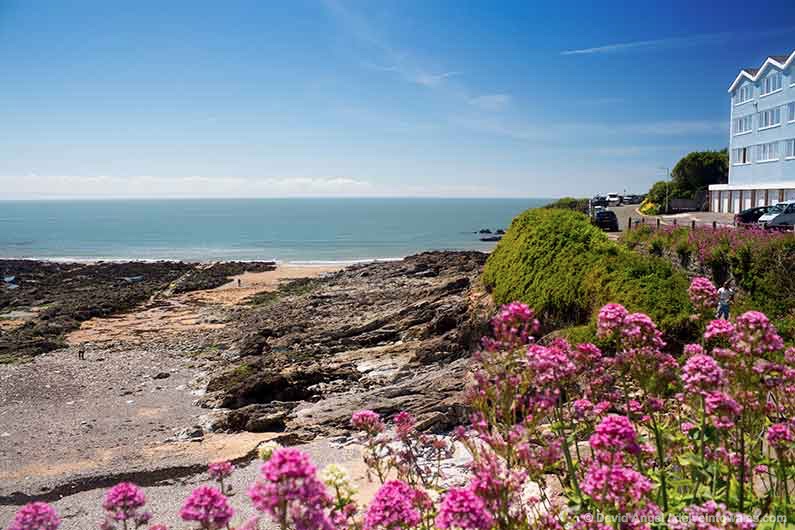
{"points": [[774, 212], [751, 215]]}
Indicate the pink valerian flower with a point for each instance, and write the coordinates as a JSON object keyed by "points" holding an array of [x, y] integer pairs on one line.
{"points": [[461, 509], [615, 434], [164, 527], [404, 424], [208, 507], [693, 349], [754, 334], [723, 409], [639, 331], [686, 427], [493, 482], [550, 366], [703, 294], [719, 330], [622, 488], [779, 435], [36, 516], [701, 374], [220, 470], [394, 507], [291, 491], [583, 408], [710, 516], [367, 421], [123, 501], [610, 319], [513, 326]]}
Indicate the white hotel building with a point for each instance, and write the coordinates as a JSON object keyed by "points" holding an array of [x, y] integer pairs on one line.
{"points": [[762, 141]]}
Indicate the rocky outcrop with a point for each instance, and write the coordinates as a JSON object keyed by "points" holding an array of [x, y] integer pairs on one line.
{"points": [[59, 296], [385, 336]]}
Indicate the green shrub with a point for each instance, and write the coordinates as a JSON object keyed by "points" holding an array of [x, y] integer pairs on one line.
{"points": [[570, 203], [566, 269], [657, 247]]}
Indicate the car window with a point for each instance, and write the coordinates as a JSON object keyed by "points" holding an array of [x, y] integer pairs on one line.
{"points": [[777, 208]]}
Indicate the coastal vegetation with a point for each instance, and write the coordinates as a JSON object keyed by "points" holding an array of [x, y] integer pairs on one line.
{"points": [[570, 203], [702, 440], [759, 262], [557, 262]]}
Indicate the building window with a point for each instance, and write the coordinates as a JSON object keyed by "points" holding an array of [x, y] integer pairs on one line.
{"points": [[742, 125], [767, 152], [791, 111], [771, 83], [789, 148], [741, 155], [769, 118], [743, 94]]}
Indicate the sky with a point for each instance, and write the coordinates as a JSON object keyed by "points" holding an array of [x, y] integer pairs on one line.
{"points": [[367, 98]]}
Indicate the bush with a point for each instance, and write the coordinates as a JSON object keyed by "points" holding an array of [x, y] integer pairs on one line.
{"points": [[570, 203], [564, 267]]}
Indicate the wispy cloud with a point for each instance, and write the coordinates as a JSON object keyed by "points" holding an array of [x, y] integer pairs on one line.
{"points": [[674, 42]]}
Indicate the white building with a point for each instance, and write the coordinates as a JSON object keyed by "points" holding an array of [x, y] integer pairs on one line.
{"points": [[762, 138]]}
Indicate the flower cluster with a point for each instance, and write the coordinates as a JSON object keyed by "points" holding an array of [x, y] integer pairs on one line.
{"points": [[290, 491], [396, 505], [701, 374], [513, 325], [36, 516], [367, 421], [462, 509], [208, 507], [703, 294], [124, 502]]}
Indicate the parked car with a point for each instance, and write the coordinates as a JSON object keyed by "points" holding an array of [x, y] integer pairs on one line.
{"points": [[606, 220], [599, 200], [774, 212], [633, 199], [751, 215], [784, 221], [613, 199]]}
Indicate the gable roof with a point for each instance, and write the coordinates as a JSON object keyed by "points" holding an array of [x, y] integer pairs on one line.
{"points": [[753, 74]]}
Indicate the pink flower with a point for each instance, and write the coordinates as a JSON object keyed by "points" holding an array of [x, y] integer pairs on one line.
{"points": [[639, 331], [208, 507], [513, 326], [719, 329], [367, 421], [779, 435], [702, 374], [404, 424], [620, 487], [686, 427], [703, 294], [393, 508], [291, 491], [755, 335], [610, 319], [123, 500], [220, 470], [158, 527], [723, 409], [613, 435], [550, 366], [36, 516], [693, 349], [461, 509]]}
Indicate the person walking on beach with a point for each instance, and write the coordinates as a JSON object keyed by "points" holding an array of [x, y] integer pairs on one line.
{"points": [[725, 295], [239, 283]]}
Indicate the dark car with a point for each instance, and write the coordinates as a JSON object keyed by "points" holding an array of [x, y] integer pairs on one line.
{"points": [[606, 220], [783, 222], [599, 200], [751, 215], [633, 199]]}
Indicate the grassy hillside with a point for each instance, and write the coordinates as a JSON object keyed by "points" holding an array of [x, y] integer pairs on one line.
{"points": [[558, 263]]}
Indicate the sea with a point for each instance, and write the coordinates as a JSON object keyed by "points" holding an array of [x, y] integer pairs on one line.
{"points": [[285, 230]]}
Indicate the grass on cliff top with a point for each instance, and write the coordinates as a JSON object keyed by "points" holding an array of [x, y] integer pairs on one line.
{"points": [[566, 269]]}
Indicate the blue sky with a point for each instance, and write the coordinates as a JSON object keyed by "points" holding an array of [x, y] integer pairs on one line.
{"points": [[367, 98]]}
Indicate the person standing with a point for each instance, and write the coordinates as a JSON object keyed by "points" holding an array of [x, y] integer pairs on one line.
{"points": [[725, 295]]}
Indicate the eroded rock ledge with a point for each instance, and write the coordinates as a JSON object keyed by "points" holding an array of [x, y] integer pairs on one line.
{"points": [[386, 336]]}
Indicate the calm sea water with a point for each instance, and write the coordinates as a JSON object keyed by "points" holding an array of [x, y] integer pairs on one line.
{"points": [[315, 230]]}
